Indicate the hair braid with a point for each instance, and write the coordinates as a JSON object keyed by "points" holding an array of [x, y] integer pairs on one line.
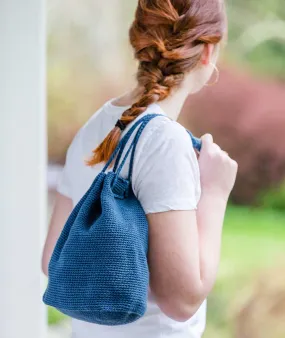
{"points": [[168, 38]]}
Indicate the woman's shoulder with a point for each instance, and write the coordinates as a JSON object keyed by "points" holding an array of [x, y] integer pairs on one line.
{"points": [[165, 173], [163, 131]]}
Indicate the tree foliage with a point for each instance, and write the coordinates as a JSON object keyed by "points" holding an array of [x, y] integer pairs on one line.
{"points": [[257, 35]]}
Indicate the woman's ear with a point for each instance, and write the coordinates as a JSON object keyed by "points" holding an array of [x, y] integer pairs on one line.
{"points": [[207, 53]]}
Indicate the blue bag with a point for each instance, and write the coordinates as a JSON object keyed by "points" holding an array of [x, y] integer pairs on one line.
{"points": [[98, 271]]}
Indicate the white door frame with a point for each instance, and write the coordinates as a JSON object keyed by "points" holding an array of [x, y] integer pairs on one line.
{"points": [[22, 167]]}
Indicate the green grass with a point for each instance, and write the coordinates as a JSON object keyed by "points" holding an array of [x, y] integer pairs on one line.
{"points": [[54, 317], [253, 239]]}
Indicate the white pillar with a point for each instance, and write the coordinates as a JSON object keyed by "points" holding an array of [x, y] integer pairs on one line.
{"points": [[22, 167]]}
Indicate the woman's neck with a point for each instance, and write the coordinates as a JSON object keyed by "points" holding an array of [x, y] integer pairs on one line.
{"points": [[172, 105]]}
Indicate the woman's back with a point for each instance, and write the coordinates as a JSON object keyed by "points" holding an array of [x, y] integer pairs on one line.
{"points": [[77, 177]]}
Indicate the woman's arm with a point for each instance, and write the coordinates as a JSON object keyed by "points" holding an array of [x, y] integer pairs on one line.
{"points": [[62, 210], [184, 246], [184, 249]]}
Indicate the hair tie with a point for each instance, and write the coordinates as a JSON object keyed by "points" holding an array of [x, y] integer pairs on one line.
{"points": [[121, 125]]}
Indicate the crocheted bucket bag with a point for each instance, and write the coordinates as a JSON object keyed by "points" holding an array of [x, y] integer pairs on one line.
{"points": [[98, 271]]}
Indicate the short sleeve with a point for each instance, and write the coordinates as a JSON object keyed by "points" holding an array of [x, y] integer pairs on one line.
{"points": [[64, 184], [166, 172]]}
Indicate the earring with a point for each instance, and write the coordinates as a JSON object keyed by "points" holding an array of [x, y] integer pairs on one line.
{"points": [[217, 75]]}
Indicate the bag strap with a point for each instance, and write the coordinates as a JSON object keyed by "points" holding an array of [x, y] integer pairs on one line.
{"points": [[197, 143], [141, 123], [132, 149], [123, 142], [144, 119]]}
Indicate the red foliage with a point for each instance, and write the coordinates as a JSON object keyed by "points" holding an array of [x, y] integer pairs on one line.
{"points": [[247, 118]]}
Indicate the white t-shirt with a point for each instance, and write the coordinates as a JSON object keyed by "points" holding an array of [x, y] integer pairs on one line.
{"points": [[165, 177]]}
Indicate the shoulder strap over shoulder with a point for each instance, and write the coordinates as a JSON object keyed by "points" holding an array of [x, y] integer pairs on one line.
{"points": [[123, 142], [197, 143], [139, 126]]}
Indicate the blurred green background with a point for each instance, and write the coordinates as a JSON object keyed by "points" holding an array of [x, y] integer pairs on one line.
{"points": [[90, 61]]}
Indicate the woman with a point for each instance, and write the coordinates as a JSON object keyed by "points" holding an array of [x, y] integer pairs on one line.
{"points": [[176, 43]]}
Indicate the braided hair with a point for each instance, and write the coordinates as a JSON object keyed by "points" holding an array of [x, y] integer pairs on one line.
{"points": [[168, 38]]}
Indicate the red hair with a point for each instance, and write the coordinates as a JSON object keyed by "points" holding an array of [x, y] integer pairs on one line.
{"points": [[168, 38]]}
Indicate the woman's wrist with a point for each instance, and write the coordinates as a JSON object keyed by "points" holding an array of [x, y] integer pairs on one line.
{"points": [[217, 196], [211, 209], [210, 218]]}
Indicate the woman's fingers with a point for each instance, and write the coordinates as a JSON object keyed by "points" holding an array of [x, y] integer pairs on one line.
{"points": [[207, 140], [217, 170]]}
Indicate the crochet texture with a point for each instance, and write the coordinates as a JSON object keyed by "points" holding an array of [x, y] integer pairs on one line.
{"points": [[98, 271]]}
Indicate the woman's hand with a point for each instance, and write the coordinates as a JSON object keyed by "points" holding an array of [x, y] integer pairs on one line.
{"points": [[218, 171]]}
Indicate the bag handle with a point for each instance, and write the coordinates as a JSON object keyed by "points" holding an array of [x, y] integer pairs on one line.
{"points": [[143, 121], [132, 150], [122, 144], [197, 144]]}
